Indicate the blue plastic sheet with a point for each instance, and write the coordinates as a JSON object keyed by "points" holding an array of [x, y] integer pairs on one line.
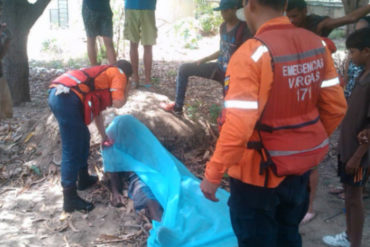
{"points": [[188, 218]]}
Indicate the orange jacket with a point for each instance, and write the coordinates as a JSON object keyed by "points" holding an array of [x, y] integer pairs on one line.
{"points": [[112, 78], [96, 87], [249, 79]]}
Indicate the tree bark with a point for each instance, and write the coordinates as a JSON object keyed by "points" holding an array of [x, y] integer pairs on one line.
{"points": [[19, 15]]}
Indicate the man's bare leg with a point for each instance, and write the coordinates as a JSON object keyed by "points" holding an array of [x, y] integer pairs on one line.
{"points": [[111, 53], [91, 50], [148, 60], [355, 209], [117, 198], [155, 210], [134, 57]]}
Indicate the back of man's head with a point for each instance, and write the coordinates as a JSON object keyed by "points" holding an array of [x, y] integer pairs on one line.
{"points": [[274, 4], [296, 4], [125, 66], [359, 39]]}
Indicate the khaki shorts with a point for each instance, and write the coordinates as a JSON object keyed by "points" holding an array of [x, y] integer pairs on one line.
{"points": [[140, 26], [6, 105]]}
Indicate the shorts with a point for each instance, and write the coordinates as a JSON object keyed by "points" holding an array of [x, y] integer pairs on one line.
{"points": [[358, 179], [140, 26], [97, 23]]}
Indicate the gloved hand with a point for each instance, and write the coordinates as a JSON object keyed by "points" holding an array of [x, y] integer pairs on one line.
{"points": [[107, 142]]}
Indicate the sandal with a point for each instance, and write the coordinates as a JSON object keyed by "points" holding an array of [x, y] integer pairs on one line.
{"points": [[336, 190]]}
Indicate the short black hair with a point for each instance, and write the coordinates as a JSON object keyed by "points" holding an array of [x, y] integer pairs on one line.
{"points": [[125, 66], [359, 39], [275, 4], [296, 4]]}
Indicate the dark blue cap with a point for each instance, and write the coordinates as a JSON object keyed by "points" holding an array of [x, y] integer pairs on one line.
{"points": [[229, 4]]}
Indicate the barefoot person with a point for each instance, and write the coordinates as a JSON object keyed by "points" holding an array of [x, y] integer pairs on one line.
{"points": [[77, 98]]}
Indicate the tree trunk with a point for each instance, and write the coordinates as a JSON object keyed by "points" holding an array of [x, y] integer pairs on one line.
{"points": [[19, 15], [351, 5]]}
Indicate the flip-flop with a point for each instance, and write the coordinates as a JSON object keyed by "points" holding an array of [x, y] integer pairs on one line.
{"points": [[308, 217], [336, 190]]}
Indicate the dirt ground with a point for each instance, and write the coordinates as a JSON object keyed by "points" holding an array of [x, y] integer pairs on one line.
{"points": [[30, 192]]}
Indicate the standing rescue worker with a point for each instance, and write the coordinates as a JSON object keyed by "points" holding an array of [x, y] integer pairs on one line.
{"points": [[283, 100], [76, 99]]}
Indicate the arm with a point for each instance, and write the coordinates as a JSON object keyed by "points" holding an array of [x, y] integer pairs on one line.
{"points": [[99, 122], [208, 58], [242, 110], [354, 163], [331, 104], [119, 87], [331, 23]]}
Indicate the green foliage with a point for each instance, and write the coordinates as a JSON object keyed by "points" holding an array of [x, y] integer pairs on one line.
{"points": [[209, 20], [188, 29], [192, 110], [214, 112], [338, 34], [51, 46], [75, 63]]}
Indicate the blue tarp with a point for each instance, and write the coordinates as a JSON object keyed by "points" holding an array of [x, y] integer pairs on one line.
{"points": [[188, 218]]}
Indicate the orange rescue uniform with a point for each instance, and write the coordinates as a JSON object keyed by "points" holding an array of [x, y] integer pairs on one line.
{"points": [[112, 78], [249, 78]]}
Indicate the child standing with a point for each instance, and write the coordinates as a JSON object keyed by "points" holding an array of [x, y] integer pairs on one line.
{"points": [[354, 158]]}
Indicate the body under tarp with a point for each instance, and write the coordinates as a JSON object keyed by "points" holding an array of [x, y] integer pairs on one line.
{"points": [[188, 219]]}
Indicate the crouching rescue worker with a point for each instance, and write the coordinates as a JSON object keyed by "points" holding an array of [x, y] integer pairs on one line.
{"points": [[76, 99], [283, 100]]}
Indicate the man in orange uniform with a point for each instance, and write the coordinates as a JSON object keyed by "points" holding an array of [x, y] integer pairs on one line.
{"points": [[283, 100], [76, 98]]}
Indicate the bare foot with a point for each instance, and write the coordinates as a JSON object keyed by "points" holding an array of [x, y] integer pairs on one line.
{"points": [[155, 210], [117, 200]]}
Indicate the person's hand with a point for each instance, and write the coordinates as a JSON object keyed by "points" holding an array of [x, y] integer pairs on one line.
{"points": [[352, 165], [107, 142], [364, 136], [209, 190]]}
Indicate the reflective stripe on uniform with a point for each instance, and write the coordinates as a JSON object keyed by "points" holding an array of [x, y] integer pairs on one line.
{"points": [[323, 42], [299, 56], [121, 71], [89, 103], [274, 153], [259, 52], [112, 89], [74, 78], [241, 104], [331, 82]]}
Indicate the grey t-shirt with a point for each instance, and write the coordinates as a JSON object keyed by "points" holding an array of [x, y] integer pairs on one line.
{"points": [[357, 119]]}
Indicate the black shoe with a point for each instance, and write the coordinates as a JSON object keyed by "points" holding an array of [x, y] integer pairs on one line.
{"points": [[72, 202], [85, 180]]}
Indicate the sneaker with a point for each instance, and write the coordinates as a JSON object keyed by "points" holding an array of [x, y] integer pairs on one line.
{"points": [[171, 107], [340, 240]]}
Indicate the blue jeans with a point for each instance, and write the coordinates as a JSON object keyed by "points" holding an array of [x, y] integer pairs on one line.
{"points": [[264, 217], [68, 110], [206, 70]]}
